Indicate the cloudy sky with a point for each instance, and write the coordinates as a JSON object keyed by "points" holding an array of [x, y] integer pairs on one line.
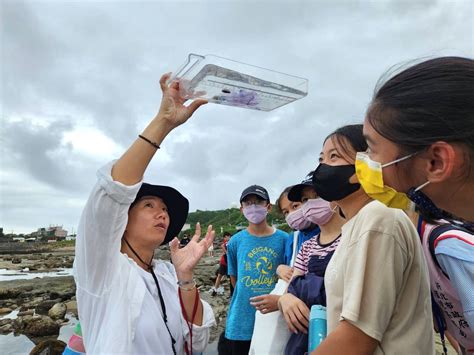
{"points": [[79, 81]]}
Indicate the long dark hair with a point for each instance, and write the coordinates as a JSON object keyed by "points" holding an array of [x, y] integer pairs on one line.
{"points": [[428, 102], [349, 135]]}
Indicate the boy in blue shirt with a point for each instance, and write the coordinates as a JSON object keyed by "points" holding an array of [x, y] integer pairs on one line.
{"points": [[253, 255]]}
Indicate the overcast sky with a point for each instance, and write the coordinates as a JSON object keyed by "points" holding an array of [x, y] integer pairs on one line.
{"points": [[79, 81]]}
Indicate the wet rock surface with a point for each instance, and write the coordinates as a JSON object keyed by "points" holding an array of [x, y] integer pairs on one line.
{"points": [[42, 303]]}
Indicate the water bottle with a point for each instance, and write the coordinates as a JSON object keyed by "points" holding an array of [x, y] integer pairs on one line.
{"points": [[317, 327]]}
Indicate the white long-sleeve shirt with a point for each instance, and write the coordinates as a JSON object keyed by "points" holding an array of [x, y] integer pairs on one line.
{"points": [[118, 303]]}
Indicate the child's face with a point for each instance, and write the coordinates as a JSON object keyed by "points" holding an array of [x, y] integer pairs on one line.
{"points": [[253, 200], [287, 206], [308, 193]]}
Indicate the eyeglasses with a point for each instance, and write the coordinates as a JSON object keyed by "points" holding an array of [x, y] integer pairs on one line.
{"points": [[256, 203]]}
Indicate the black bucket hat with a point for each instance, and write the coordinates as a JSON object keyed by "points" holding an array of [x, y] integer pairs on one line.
{"points": [[296, 191], [177, 204]]}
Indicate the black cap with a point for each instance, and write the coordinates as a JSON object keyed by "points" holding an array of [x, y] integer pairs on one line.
{"points": [[255, 190], [177, 204], [296, 191]]}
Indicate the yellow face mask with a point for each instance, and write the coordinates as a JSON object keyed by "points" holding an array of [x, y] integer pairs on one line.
{"points": [[370, 177]]}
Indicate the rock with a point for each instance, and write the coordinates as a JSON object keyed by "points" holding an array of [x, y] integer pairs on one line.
{"points": [[72, 307], [44, 307], [36, 325], [16, 261], [5, 310], [5, 329], [6, 293], [5, 321], [28, 312], [58, 311], [49, 347]]}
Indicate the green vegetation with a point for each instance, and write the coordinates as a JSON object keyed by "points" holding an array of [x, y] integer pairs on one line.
{"points": [[229, 220], [62, 244]]}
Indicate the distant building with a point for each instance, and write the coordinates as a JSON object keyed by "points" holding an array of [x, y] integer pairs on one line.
{"points": [[18, 239], [50, 234]]}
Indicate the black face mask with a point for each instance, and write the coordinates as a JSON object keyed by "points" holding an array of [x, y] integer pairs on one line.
{"points": [[331, 183]]}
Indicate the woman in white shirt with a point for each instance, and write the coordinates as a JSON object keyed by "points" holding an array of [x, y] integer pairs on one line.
{"points": [[129, 303]]}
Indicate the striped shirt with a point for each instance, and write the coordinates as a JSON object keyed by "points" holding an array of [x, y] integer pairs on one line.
{"points": [[313, 247]]}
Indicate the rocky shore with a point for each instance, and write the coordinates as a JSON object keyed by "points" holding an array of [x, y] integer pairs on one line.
{"points": [[39, 307]]}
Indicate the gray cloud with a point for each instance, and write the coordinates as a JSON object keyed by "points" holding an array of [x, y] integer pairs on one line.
{"points": [[69, 64]]}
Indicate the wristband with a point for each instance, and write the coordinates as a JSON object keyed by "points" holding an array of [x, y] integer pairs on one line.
{"points": [[182, 285], [149, 141]]}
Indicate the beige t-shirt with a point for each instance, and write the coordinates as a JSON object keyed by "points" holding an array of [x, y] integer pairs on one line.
{"points": [[378, 281]]}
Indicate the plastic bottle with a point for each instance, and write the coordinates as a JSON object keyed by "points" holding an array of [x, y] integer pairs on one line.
{"points": [[317, 327]]}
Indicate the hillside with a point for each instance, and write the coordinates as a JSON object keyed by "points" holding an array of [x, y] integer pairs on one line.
{"points": [[227, 220]]}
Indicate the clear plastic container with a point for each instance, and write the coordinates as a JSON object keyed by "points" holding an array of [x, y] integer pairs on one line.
{"points": [[227, 82]]}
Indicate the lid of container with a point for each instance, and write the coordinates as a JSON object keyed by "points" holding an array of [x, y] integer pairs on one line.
{"points": [[318, 311], [228, 82]]}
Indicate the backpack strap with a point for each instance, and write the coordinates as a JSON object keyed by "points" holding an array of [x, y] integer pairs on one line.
{"points": [[432, 240]]}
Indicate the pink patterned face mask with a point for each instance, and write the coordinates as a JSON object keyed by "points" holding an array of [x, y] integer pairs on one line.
{"points": [[317, 210], [255, 214], [297, 221]]}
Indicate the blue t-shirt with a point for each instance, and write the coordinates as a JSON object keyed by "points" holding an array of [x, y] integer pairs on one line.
{"points": [[253, 261], [303, 236]]}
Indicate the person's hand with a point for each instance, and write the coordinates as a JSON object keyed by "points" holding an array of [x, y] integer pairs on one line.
{"points": [[172, 109], [185, 259], [296, 313], [284, 272], [265, 303]]}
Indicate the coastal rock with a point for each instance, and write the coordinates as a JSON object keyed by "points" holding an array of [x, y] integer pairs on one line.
{"points": [[28, 312], [49, 347], [72, 307], [5, 310], [6, 293], [6, 328], [58, 311], [5, 321], [44, 307], [36, 325]]}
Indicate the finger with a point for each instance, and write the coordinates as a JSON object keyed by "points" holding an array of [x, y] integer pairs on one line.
{"points": [[174, 245], [304, 310], [174, 85], [195, 105], [164, 78], [210, 234], [298, 323], [294, 322], [302, 320], [264, 311], [197, 233], [257, 298], [288, 323]]}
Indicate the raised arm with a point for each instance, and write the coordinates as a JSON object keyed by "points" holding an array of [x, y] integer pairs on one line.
{"points": [[105, 215], [129, 169]]}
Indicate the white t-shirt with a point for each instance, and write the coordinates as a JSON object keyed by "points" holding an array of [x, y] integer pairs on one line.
{"points": [[118, 307], [378, 281]]}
